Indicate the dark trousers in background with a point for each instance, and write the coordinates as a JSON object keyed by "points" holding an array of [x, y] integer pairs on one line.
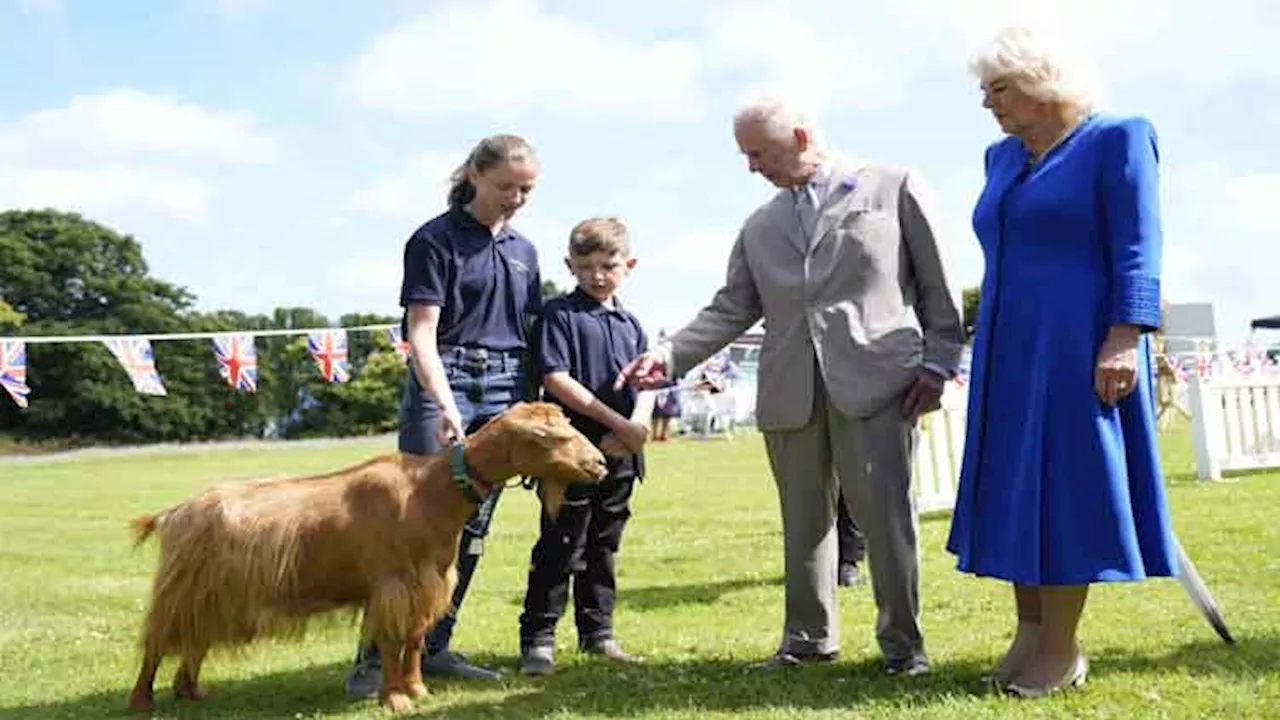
{"points": [[577, 549], [853, 547]]}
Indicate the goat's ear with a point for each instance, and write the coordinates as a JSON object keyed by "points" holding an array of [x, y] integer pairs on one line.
{"points": [[553, 433]]}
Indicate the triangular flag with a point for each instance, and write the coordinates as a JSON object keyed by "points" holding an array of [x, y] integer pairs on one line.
{"points": [[329, 349], [13, 370], [134, 355], [237, 360]]}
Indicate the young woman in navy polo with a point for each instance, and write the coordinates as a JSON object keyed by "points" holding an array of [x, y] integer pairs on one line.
{"points": [[471, 287]]}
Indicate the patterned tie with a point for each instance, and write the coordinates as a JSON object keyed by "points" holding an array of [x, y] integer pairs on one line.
{"points": [[806, 212]]}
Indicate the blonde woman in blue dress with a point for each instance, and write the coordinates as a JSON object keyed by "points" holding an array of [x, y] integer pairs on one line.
{"points": [[1061, 484]]}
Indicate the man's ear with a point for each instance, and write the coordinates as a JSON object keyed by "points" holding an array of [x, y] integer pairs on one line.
{"points": [[802, 138]]}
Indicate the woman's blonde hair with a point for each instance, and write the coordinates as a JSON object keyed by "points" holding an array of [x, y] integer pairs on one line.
{"points": [[491, 151], [1039, 69]]}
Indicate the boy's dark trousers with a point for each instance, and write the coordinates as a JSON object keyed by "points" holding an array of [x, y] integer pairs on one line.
{"points": [[579, 547], [853, 547]]}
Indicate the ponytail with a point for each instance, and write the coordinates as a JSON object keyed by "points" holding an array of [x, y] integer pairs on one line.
{"points": [[491, 151]]}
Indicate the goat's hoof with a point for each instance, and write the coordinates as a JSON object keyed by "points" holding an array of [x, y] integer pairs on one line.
{"points": [[417, 690], [397, 703], [141, 701], [190, 692]]}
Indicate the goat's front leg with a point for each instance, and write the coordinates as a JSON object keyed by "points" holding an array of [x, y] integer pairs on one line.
{"points": [[394, 693], [413, 664]]}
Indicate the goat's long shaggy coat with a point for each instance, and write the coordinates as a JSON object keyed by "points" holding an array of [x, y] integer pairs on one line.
{"points": [[243, 560]]}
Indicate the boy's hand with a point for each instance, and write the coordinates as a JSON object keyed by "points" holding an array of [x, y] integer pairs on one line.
{"points": [[613, 447], [633, 435]]}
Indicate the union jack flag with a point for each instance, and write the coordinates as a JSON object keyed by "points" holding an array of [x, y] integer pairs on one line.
{"points": [[237, 361], [329, 349], [135, 356], [398, 342], [13, 370]]}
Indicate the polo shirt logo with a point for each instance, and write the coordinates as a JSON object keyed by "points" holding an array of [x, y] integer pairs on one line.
{"points": [[519, 266]]}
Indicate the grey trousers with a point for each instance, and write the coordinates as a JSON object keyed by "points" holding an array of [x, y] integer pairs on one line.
{"points": [[870, 458]]}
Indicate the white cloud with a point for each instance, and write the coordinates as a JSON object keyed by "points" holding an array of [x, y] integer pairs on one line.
{"points": [[507, 55], [123, 153], [129, 122], [416, 190], [107, 191]]}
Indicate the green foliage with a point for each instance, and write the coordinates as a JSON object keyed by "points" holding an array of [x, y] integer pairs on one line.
{"points": [[970, 301], [65, 275]]}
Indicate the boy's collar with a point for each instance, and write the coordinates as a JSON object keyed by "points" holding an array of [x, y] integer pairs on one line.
{"points": [[585, 297]]}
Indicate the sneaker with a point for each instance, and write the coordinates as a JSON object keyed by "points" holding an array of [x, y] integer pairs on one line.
{"points": [[538, 660], [448, 663], [611, 649], [365, 678], [908, 667]]}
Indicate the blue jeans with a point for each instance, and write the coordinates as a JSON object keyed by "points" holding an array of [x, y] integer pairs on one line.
{"points": [[484, 383]]}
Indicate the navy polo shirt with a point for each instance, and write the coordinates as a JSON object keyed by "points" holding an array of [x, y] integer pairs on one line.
{"points": [[591, 342], [484, 285]]}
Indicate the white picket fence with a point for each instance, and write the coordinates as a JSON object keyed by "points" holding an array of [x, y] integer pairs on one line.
{"points": [[1235, 422], [939, 451]]}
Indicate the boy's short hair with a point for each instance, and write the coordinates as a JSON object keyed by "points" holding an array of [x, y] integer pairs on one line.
{"points": [[593, 235]]}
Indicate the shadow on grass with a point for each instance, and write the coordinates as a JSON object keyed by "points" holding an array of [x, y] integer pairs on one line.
{"points": [[661, 596], [597, 688], [1249, 657]]}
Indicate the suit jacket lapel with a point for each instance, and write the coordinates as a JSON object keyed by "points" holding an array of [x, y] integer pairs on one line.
{"points": [[844, 181], [783, 213]]}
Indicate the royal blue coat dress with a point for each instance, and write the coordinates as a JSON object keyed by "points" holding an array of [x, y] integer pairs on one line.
{"points": [[1057, 488]]}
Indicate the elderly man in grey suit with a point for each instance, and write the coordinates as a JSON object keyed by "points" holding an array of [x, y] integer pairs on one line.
{"points": [[861, 334]]}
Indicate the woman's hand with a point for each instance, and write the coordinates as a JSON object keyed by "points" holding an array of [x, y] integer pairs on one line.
{"points": [[1116, 374], [449, 430]]}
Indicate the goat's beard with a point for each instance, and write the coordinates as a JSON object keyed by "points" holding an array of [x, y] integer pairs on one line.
{"points": [[552, 496]]}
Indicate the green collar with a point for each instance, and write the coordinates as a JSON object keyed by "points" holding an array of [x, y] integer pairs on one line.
{"points": [[461, 477]]}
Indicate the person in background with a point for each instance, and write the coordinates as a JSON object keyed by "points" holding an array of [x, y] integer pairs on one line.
{"points": [[1061, 485], [666, 407]]}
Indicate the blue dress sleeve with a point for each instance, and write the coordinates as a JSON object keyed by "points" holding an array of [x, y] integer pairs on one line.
{"points": [[1131, 203]]}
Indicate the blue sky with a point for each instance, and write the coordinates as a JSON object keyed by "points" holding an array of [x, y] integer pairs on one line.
{"points": [[279, 152]]}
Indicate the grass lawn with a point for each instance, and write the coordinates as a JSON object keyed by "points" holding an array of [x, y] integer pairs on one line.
{"points": [[700, 596]]}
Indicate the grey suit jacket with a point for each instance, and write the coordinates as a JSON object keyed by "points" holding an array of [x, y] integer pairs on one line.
{"points": [[868, 298]]}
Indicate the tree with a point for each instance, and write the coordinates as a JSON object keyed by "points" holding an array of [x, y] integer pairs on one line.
{"points": [[10, 319], [549, 290], [68, 276], [970, 301]]}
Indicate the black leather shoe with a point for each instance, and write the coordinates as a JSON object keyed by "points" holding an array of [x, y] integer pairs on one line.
{"points": [[907, 667], [782, 660], [454, 664]]}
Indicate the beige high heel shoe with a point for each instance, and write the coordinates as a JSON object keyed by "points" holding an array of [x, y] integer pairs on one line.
{"points": [[1076, 677]]}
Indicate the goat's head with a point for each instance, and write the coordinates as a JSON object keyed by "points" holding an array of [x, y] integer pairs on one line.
{"points": [[541, 443]]}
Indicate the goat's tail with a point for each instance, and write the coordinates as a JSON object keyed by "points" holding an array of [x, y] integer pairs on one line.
{"points": [[144, 526]]}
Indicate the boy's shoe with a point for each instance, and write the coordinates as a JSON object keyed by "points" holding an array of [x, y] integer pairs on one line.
{"points": [[448, 663], [611, 649], [538, 660]]}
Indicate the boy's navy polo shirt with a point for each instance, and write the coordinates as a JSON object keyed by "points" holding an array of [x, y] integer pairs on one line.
{"points": [[485, 285], [591, 342]]}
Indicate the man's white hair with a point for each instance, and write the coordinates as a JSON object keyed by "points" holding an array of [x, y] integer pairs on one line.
{"points": [[1040, 69], [779, 118]]}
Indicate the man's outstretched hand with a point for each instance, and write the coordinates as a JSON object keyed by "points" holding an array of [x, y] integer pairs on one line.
{"points": [[646, 372]]}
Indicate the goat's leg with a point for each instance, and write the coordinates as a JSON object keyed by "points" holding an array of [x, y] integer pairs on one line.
{"points": [[393, 695], [186, 684], [413, 664], [143, 695]]}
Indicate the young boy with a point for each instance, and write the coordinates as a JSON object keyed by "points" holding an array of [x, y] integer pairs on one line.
{"points": [[586, 337]]}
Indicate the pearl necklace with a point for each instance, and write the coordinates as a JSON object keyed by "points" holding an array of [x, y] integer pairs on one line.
{"points": [[1066, 133]]}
